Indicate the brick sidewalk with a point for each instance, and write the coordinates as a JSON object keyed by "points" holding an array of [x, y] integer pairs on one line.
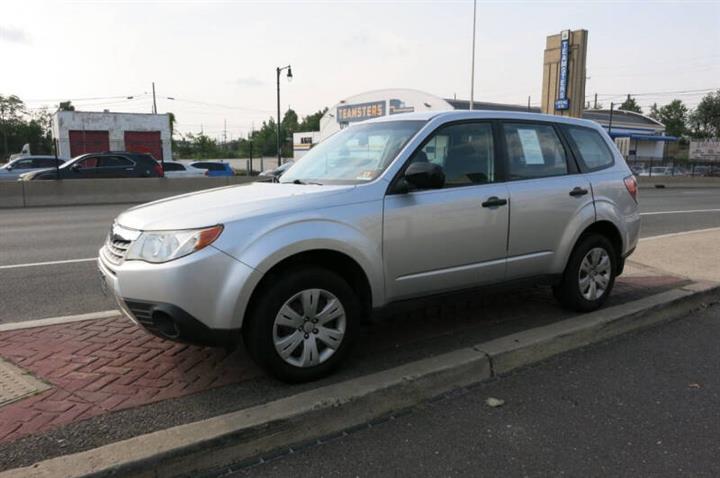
{"points": [[101, 366]]}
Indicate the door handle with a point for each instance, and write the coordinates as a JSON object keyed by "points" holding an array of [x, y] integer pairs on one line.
{"points": [[494, 201], [578, 191]]}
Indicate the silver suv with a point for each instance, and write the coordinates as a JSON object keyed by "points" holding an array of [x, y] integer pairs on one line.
{"points": [[386, 210]]}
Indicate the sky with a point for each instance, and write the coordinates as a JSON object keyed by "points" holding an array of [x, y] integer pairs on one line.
{"points": [[217, 60]]}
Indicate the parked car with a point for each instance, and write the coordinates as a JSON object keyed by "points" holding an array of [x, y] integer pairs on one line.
{"points": [[176, 169], [12, 170], [442, 201], [117, 164], [214, 168], [277, 172]]}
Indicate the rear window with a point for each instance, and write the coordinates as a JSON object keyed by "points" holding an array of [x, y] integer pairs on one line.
{"points": [[210, 166], [594, 152], [174, 167]]}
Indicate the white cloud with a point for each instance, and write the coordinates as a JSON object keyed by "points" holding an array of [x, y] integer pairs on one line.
{"points": [[249, 81], [14, 35]]}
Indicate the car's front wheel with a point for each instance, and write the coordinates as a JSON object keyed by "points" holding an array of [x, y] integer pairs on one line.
{"points": [[589, 276], [302, 324]]}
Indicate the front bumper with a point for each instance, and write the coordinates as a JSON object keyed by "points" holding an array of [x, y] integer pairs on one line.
{"points": [[194, 299]]}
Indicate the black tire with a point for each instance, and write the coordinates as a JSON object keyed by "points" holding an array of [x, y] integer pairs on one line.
{"points": [[568, 291], [258, 329]]}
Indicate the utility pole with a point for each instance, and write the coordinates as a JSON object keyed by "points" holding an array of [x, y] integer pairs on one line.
{"points": [[225, 134], [154, 103], [528, 104], [612, 105], [472, 67], [595, 105]]}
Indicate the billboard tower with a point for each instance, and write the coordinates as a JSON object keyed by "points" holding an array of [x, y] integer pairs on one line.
{"points": [[563, 91]]}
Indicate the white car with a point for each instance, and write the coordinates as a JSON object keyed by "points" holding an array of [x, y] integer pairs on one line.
{"points": [[176, 169]]}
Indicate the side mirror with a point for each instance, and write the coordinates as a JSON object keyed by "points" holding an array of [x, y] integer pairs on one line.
{"points": [[425, 176], [75, 167], [9, 167]]}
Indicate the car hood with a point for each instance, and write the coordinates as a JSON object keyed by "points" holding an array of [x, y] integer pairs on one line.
{"points": [[227, 204]]}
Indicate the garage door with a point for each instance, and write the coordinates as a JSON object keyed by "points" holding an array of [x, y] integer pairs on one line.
{"points": [[82, 142], [144, 142]]}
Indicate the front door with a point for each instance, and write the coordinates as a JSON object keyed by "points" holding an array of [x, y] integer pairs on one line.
{"points": [[87, 168], [549, 198], [450, 238]]}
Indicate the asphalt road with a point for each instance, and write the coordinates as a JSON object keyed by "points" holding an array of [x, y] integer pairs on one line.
{"points": [[645, 404], [40, 235]]}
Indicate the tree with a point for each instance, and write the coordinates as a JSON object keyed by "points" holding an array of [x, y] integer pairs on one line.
{"points": [[12, 110], [631, 105], [705, 120], [66, 106], [654, 112], [312, 122], [674, 116]]}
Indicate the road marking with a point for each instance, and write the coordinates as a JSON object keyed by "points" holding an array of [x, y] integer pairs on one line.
{"points": [[49, 263], [30, 324], [688, 211], [675, 234]]}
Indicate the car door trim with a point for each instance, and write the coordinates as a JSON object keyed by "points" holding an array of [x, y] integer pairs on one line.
{"points": [[447, 270]]}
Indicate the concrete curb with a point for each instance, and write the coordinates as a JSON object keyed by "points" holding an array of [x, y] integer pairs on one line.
{"points": [[238, 436]]}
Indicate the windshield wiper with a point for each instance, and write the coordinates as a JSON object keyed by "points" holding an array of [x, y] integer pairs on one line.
{"points": [[299, 181]]}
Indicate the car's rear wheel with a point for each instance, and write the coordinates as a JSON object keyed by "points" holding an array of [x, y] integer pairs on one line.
{"points": [[302, 324], [589, 276]]}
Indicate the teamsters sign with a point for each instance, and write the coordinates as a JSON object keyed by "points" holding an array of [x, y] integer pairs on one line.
{"points": [[562, 102], [360, 111]]}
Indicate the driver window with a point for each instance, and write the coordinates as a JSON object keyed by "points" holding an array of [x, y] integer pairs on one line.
{"points": [[89, 163], [464, 151], [23, 164]]}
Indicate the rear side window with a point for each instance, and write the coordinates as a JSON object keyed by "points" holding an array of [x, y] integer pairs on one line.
{"points": [[45, 163], [115, 162], [534, 151], [23, 164], [594, 152]]}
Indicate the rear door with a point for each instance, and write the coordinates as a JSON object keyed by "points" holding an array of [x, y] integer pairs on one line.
{"points": [[549, 198], [116, 167]]}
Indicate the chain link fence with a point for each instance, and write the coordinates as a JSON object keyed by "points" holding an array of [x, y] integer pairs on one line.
{"points": [[673, 167]]}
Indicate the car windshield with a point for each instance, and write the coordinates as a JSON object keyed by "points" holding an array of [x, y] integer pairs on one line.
{"points": [[355, 155]]}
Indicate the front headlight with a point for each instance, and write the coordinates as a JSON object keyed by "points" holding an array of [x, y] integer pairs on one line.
{"points": [[164, 246]]}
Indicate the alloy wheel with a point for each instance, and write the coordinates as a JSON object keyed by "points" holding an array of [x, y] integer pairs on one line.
{"points": [[309, 328], [595, 273]]}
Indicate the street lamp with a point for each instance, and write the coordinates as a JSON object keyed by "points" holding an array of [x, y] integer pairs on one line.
{"points": [[277, 127]]}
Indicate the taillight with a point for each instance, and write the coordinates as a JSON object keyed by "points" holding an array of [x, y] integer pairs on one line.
{"points": [[159, 170], [207, 172], [632, 186]]}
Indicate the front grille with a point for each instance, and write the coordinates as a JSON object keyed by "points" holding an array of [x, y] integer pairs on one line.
{"points": [[116, 250], [117, 244], [142, 312]]}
